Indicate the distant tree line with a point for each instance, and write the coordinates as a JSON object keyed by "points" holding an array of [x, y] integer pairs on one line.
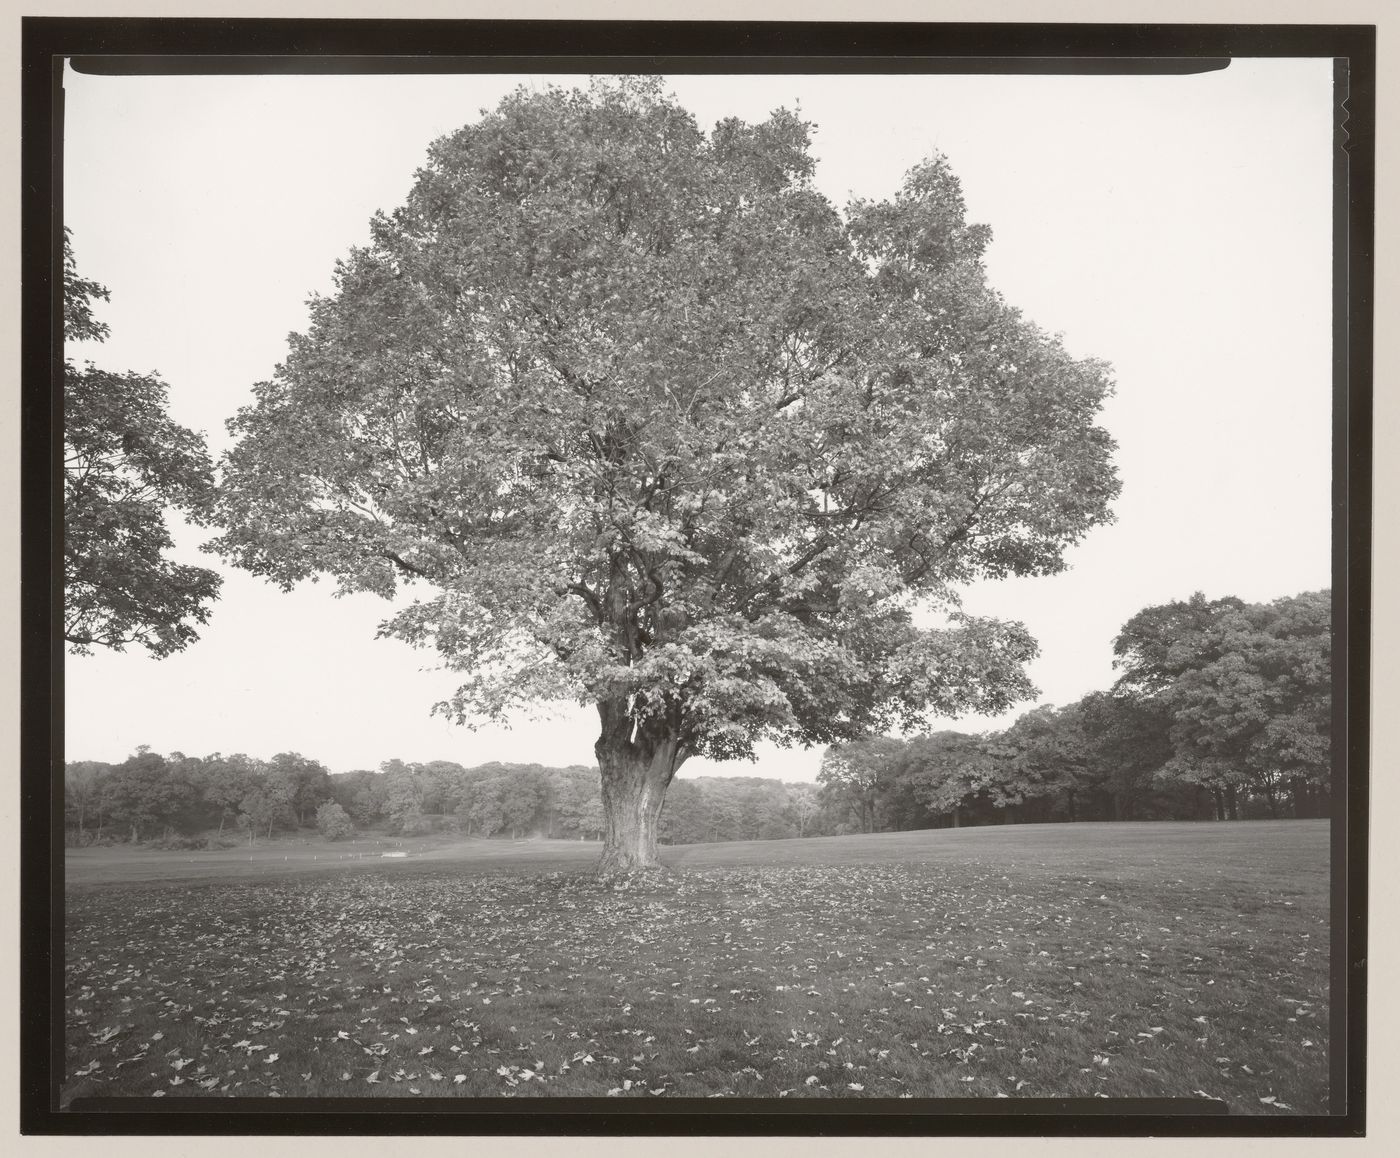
{"points": [[149, 796], [1222, 710], [184, 801], [177, 797]]}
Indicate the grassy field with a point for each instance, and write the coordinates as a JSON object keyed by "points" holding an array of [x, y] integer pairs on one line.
{"points": [[1118, 960]]}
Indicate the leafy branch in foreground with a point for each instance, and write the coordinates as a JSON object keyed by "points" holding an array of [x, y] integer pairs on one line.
{"points": [[124, 462]]}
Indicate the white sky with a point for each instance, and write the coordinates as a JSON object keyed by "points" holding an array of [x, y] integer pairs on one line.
{"points": [[1178, 227]]}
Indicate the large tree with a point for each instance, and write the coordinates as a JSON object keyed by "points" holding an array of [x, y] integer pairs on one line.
{"points": [[667, 433], [309, 782], [125, 462], [1046, 753], [951, 772], [1128, 742], [858, 774], [1248, 690]]}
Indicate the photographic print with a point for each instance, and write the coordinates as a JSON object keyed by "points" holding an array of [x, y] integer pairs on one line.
{"points": [[756, 584]]}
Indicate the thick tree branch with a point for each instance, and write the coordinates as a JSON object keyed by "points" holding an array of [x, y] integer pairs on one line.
{"points": [[588, 597], [399, 561]]}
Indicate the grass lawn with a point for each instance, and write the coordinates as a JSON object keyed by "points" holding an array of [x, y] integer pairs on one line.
{"points": [[1144, 960]]}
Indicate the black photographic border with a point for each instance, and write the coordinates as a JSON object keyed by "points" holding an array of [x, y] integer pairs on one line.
{"points": [[362, 46]]}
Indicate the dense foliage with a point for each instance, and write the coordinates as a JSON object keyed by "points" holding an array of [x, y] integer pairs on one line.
{"points": [[124, 463], [665, 432], [1245, 688], [1223, 710]]}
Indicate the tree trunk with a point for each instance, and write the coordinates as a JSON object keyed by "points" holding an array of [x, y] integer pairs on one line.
{"points": [[957, 817], [1069, 797], [636, 765], [1232, 803], [1219, 803]]}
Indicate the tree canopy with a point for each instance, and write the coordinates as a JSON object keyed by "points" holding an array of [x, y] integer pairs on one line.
{"points": [[666, 432], [124, 463], [1246, 688]]}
